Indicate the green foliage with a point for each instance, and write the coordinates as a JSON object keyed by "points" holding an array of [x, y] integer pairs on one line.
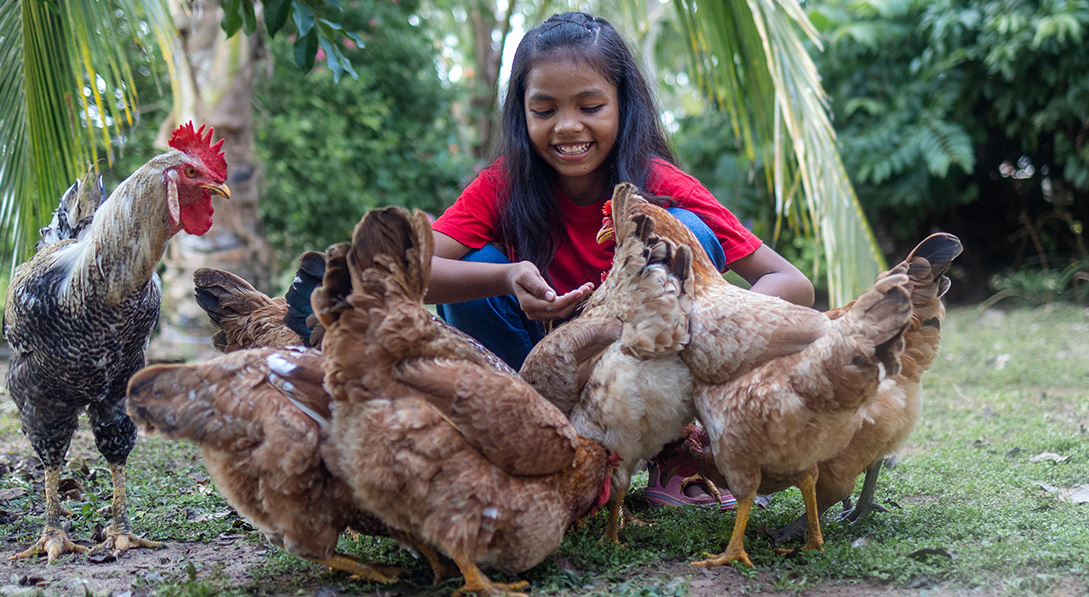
{"points": [[331, 151], [966, 115], [316, 25]]}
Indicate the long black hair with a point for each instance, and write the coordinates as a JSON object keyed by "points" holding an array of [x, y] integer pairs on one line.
{"points": [[531, 218]]}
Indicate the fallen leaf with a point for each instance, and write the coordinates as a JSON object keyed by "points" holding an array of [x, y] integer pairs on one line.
{"points": [[13, 493], [1048, 456], [920, 554], [1045, 486], [1081, 496]]}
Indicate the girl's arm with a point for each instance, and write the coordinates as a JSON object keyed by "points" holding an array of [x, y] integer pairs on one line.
{"points": [[769, 273], [454, 281]]}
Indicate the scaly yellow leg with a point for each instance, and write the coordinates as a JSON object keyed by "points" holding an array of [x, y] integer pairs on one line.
{"points": [[54, 541], [735, 551], [812, 515], [119, 538], [476, 582], [612, 529], [361, 570]]}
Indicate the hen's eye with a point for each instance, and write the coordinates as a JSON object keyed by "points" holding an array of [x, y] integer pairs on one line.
{"points": [[191, 172]]}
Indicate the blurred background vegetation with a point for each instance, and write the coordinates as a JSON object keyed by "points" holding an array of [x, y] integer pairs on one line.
{"points": [[967, 116]]}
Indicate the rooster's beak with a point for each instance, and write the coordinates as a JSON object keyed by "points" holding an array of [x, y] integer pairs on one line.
{"points": [[218, 189]]}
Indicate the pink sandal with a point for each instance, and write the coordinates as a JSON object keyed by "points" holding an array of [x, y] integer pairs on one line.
{"points": [[679, 470]]}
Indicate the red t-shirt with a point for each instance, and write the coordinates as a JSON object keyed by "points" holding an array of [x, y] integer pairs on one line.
{"points": [[473, 220]]}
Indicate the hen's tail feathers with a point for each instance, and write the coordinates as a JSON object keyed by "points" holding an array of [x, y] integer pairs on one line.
{"points": [[231, 303], [330, 300], [391, 253], [75, 212], [926, 267], [880, 317], [300, 316], [176, 401]]}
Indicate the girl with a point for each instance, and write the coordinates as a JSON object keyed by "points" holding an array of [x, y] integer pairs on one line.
{"points": [[518, 246]]}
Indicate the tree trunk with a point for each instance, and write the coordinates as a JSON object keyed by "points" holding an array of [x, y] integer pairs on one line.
{"points": [[215, 78]]}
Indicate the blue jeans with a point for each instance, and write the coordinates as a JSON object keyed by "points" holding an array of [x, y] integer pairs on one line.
{"points": [[500, 324]]}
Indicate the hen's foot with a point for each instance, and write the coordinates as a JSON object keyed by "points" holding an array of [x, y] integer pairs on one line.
{"points": [[118, 542], [487, 587], [724, 558], [860, 511], [53, 542], [361, 570]]}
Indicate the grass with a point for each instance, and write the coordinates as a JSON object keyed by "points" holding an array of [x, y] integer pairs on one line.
{"points": [[974, 507]]}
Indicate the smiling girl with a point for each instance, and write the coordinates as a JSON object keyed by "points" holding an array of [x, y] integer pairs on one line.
{"points": [[519, 245]]}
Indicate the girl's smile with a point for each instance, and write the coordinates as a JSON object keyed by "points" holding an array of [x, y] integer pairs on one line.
{"points": [[572, 115]]}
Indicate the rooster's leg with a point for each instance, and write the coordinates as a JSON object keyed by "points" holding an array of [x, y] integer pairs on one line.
{"points": [[476, 582], [812, 514], [735, 550], [866, 503], [119, 538], [54, 541], [360, 570]]}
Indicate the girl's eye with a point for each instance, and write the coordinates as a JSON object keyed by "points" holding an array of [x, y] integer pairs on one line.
{"points": [[592, 109], [191, 172], [541, 113]]}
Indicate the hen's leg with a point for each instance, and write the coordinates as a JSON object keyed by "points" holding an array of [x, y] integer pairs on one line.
{"points": [[866, 503], [53, 541], [813, 516], [361, 570], [476, 582], [119, 538], [735, 550], [612, 529]]}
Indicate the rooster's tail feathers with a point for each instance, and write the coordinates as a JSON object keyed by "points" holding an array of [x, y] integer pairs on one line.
{"points": [[75, 212], [300, 316]]}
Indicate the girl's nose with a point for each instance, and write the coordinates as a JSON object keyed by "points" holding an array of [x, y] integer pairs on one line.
{"points": [[568, 123]]}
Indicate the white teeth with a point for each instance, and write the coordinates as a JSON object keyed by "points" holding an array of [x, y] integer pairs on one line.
{"points": [[572, 149]]}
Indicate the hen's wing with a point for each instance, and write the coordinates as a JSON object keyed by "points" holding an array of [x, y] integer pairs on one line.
{"points": [[244, 316], [499, 414]]}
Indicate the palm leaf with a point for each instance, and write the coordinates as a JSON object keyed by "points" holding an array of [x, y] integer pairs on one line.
{"points": [[65, 78], [751, 58]]}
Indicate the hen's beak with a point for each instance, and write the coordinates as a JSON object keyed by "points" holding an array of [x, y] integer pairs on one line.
{"points": [[606, 233], [218, 189]]}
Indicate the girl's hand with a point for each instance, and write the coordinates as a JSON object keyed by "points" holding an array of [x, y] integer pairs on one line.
{"points": [[538, 299]]}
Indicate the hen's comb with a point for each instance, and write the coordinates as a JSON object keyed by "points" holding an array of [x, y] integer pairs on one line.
{"points": [[607, 209], [191, 142]]}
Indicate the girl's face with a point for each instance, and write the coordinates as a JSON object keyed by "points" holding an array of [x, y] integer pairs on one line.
{"points": [[572, 113]]}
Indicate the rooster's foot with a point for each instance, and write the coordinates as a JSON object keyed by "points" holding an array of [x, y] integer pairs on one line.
{"points": [[724, 558], [53, 542], [118, 542]]}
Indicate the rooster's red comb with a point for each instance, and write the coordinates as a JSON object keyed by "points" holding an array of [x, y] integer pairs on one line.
{"points": [[192, 142]]}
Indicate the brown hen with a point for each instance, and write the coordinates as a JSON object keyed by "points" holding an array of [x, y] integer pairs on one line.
{"points": [[259, 417], [435, 435], [778, 387], [616, 369]]}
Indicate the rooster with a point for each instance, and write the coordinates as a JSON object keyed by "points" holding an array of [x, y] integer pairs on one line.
{"points": [[259, 416], [616, 369], [79, 314], [777, 386], [435, 435]]}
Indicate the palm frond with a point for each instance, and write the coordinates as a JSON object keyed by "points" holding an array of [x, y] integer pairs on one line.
{"points": [[65, 79], [751, 58]]}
